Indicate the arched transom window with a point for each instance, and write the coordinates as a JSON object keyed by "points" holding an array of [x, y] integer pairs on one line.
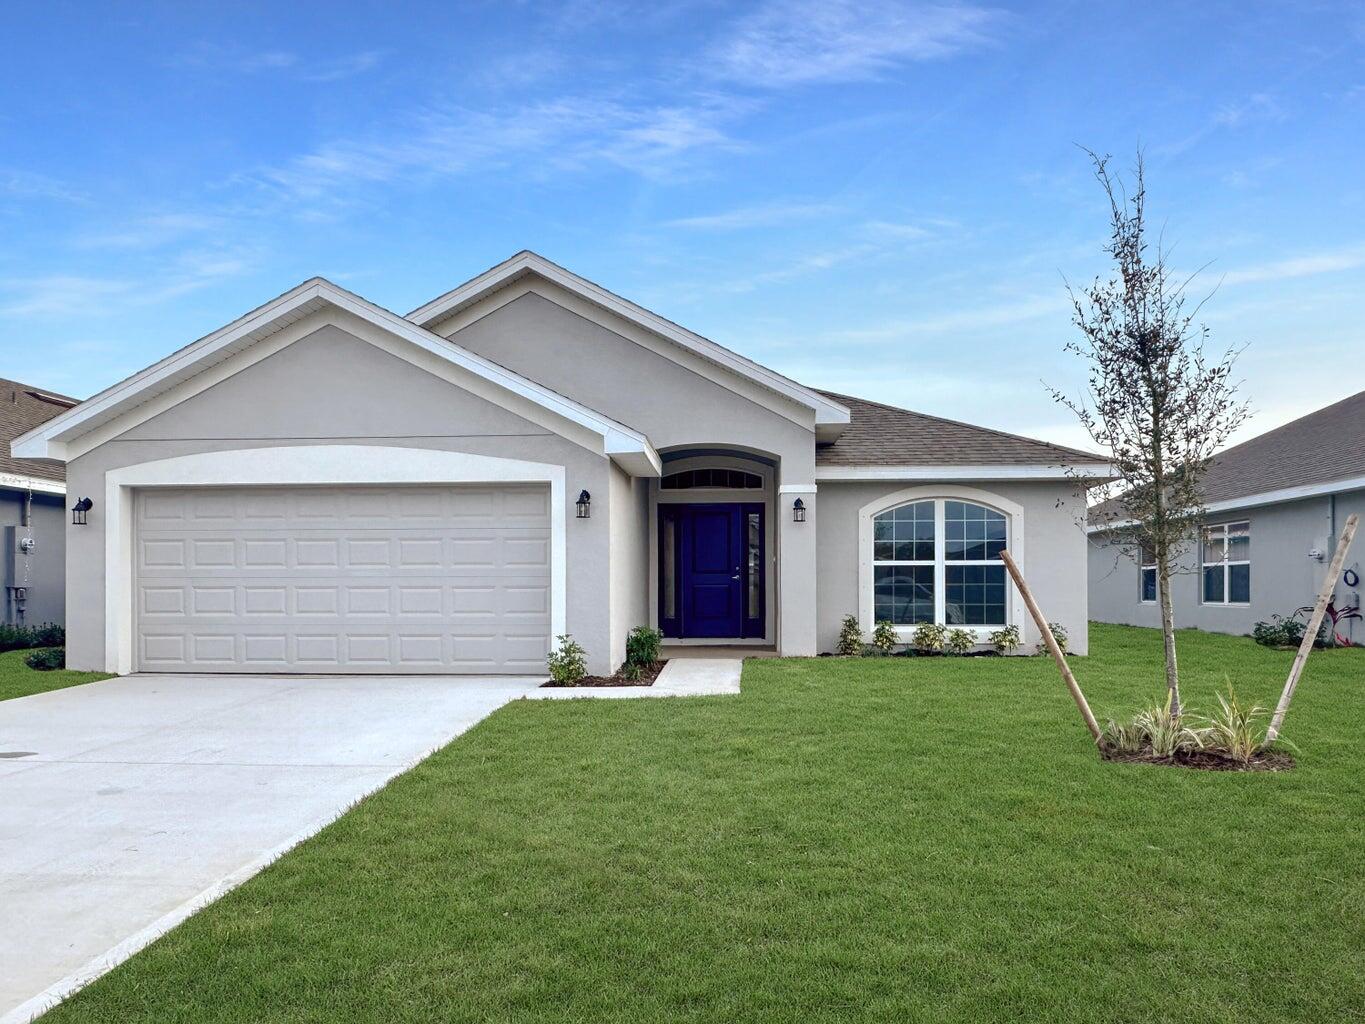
{"points": [[938, 560]]}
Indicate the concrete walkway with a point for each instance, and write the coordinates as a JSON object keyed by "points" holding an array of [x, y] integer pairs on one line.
{"points": [[127, 805], [683, 677]]}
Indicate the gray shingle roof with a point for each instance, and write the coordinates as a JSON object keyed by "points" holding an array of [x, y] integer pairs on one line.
{"points": [[883, 435], [21, 409], [1319, 448]]}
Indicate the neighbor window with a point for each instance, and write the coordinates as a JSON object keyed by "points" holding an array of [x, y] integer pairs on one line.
{"points": [[1148, 575], [938, 560], [1227, 563]]}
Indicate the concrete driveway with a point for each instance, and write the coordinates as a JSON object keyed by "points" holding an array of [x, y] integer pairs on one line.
{"points": [[127, 805]]}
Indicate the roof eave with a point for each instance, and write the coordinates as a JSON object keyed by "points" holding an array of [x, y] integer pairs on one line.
{"points": [[1089, 474]]}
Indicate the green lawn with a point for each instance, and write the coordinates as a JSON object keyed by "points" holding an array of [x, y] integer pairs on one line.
{"points": [[871, 840], [18, 680]]}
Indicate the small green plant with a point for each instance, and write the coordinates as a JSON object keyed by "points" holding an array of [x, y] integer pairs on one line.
{"points": [[959, 641], [18, 638], [642, 648], [1059, 634], [633, 671], [850, 643], [884, 637], [1006, 641], [47, 658], [929, 636], [1232, 730], [1124, 737], [567, 662], [1165, 733]]}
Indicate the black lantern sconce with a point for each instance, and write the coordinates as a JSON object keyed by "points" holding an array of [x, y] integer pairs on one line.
{"points": [[584, 505], [78, 511], [798, 511]]}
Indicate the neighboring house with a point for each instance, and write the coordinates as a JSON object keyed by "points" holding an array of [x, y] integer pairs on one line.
{"points": [[1275, 506], [325, 486], [32, 511]]}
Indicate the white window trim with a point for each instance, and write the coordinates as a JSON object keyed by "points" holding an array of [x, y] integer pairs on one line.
{"points": [[295, 465], [1014, 540], [1225, 562], [1143, 566]]}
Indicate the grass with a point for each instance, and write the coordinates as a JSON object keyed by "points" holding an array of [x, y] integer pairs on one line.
{"points": [[18, 680], [880, 839]]}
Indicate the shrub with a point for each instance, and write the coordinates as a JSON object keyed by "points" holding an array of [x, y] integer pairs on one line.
{"points": [[642, 647], [929, 636], [1006, 641], [1124, 737], [1059, 634], [19, 638], [568, 663], [1288, 630], [884, 637], [850, 643], [47, 658], [1165, 733], [1233, 730], [959, 641]]}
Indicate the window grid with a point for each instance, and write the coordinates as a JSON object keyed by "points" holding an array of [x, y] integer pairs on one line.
{"points": [[938, 560], [736, 479], [1226, 561]]}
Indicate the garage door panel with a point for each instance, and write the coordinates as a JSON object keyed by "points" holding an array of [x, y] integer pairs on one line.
{"points": [[439, 579]]}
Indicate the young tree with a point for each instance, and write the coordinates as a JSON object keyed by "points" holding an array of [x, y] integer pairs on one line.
{"points": [[1155, 400]]}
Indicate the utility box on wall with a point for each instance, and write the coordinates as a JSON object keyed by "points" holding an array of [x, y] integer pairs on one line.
{"points": [[18, 548]]}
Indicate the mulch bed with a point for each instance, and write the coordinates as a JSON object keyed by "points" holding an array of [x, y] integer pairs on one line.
{"points": [[1209, 761], [646, 679]]}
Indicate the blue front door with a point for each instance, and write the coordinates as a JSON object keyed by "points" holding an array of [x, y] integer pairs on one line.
{"points": [[712, 567]]}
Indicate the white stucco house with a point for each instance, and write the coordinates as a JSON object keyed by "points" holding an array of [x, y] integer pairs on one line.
{"points": [[324, 486]]}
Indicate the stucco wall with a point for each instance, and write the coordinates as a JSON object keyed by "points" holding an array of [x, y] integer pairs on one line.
{"points": [[1054, 552], [629, 559], [1283, 577], [333, 387], [677, 408], [46, 564]]}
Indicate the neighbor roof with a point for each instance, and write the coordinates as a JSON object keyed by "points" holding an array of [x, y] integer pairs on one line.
{"points": [[1306, 456], [23, 407], [884, 435]]}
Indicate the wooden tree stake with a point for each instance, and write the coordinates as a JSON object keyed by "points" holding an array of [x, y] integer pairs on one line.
{"points": [[1315, 621], [1052, 647]]}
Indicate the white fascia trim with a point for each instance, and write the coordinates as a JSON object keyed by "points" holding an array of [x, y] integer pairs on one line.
{"points": [[32, 483], [797, 489], [826, 410], [49, 440], [1354, 483], [334, 464], [965, 472], [1014, 542]]}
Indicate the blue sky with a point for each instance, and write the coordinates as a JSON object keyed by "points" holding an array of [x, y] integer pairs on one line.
{"points": [[880, 197]]}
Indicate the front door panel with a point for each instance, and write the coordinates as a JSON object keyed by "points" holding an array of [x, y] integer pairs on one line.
{"points": [[711, 569]]}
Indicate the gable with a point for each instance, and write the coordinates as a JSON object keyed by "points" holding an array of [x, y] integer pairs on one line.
{"points": [[670, 403], [528, 271], [331, 384], [293, 316]]}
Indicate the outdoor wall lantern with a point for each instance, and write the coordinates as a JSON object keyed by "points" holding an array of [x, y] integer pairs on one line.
{"points": [[584, 505], [78, 510], [798, 511]]}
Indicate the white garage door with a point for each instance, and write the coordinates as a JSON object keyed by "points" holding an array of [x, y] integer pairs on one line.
{"points": [[343, 579]]}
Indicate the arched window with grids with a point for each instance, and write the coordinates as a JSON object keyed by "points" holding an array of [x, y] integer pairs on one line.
{"points": [[938, 560]]}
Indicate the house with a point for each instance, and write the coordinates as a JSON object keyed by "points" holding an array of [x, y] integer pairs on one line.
{"points": [[325, 486], [1275, 507], [32, 511]]}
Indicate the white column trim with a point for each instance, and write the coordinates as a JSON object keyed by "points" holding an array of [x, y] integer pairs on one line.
{"points": [[1014, 541], [304, 464]]}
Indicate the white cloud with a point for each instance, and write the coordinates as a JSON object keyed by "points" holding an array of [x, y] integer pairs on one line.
{"points": [[1308, 265], [793, 42], [151, 231], [74, 294], [343, 67], [762, 215], [210, 57], [29, 185], [562, 135]]}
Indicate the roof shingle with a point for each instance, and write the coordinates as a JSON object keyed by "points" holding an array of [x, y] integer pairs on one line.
{"points": [[883, 435], [21, 409]]}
